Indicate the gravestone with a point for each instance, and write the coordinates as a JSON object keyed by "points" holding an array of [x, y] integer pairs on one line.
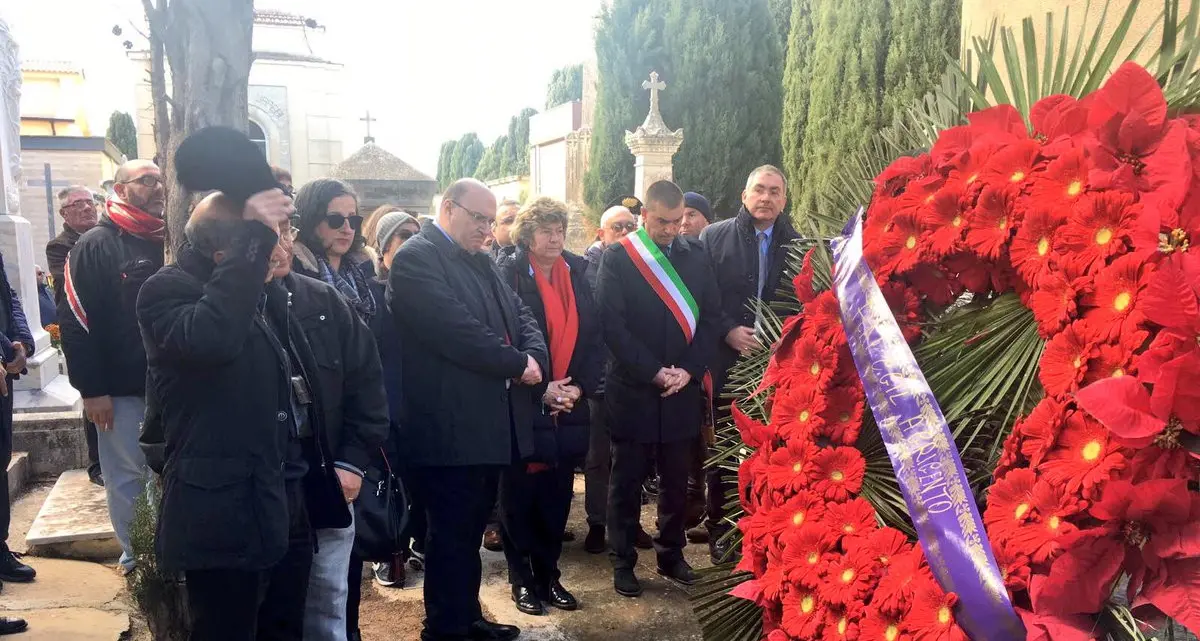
{"points": [[653, 144]]}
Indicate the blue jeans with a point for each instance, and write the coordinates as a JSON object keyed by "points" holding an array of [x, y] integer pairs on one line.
{"points": [[328, 589], [124, 466]]}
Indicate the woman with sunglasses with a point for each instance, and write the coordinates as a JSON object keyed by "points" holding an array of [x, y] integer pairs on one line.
{"points": [[330, 244]]}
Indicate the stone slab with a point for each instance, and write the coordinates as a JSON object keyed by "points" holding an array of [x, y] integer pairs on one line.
{"points": [[65, 584], [73, 624], [18, 474], [55, 441], [56, 395], [75, 511]]}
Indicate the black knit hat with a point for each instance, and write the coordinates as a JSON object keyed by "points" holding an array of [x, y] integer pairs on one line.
{"points": [[632, 203], [699, 203]]}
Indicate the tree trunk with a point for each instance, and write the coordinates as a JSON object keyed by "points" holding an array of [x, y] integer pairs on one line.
{"points": [[208, 49]]}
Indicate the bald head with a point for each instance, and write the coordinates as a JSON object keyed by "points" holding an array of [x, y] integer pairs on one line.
{"points": [[134, 168], [139, 183], [615, 223], [467, 213], [214, 222]]}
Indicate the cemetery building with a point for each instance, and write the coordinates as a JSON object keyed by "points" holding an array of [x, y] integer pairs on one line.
{"points": [[381, 178]]}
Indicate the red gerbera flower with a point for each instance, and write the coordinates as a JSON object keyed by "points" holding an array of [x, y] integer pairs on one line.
{"points": [[930, 282], [842, 624], [1013, 165], [1039, 431], [1014, 568], [1114, 298], [1110, 360], [814, 362], [1053, 304], [822, 318], [972, 163], [1063, 362], [883, 545], [894, 593], [932, 616], [905, 308], [945, 219], [805, 553], [1009, 504], [1039, 537], [1032, 250], [843, 414], [796, 409], [878, 626], [1084, 456], [838, 472], [991, 222], [803, 614], [787, 469], [1064, 181], [900, 247], [848, 578], [892, 180], [793, 513], [1097, 228], [852, 517]]}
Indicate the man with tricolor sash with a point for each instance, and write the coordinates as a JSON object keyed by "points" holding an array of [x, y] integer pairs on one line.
{"points": [[660, 310]]}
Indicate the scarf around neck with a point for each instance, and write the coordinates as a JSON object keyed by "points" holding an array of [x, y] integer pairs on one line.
{"points": [[351, 284], [135, 222], [562, 316]]}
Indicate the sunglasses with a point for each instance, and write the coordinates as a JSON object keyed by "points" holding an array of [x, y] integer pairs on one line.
{"points": [[623, 226], [335, 221]]}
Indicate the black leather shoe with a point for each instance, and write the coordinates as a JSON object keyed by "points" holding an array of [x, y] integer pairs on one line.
{"points": [[678, 571], [11, 625], [558, 596], [527, 601], [483, 630], [13, 570], [626, 583], [722, 552], [594, 542]]}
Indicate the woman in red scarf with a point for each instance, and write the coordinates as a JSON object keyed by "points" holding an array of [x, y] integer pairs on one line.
{"points": [[535, 495]]}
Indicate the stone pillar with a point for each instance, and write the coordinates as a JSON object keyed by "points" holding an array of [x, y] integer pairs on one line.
{"points": [[653, 144], [43, 387]]}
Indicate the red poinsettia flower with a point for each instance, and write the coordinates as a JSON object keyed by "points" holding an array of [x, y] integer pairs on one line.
{"points": [[1115, 296], [838, 472], [1064, 181], [1164, 458], [1014, 165], [803, 614], [932, 615], [945, 219], [1174, 593], [892, 180], [1060, 122], [1002, 123], [1009, 504], [1097, 228], [1053, 303], [1053, 627], [787, 469], [803, 282], [896, 589], [849, 578], [843, 414], [823, 320], [842, 624], [1084, 457], [1065, 358], [1039, 431], [991, 222], [752, 481], [793, 513], [1135, 148], [1146, 528], [1039, 537], [949, 151], [852, 517], [805, 553], [796, 409]]}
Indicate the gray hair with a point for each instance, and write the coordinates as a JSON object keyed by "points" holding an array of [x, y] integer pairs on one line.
{"points": [[539, 213], [212, 234], [766, 169], [66, 192]]}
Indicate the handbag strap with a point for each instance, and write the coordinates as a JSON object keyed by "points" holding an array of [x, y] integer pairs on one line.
{"points": [[386, 463]]}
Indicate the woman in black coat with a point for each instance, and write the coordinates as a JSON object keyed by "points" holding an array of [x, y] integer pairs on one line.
{"points": [[535, 495]]}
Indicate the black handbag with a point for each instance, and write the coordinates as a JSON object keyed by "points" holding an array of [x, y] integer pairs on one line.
{"points": [[380, 515]]}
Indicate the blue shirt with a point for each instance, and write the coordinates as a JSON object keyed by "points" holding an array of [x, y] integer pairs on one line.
{"points": [[764, 252]]}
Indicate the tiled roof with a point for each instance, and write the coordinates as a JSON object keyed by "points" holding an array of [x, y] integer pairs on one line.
{"points": [[51, 66], [372, 162], [282, 18]]}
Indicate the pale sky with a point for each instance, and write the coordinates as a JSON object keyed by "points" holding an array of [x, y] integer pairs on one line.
{"points": [[428, 70]]}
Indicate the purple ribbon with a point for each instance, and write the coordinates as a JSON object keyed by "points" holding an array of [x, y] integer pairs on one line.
{"points": [[921, 448]]}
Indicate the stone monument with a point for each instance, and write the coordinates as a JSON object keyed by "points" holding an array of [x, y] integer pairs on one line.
{"points": [[653, 144], [43, 388]]}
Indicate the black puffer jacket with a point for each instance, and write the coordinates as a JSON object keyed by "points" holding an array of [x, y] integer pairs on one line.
{"points": [[563, 437]]}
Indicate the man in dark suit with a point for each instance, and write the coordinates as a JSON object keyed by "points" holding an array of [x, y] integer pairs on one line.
{"points": [[472, 352], [748, 254], [661, 311]]}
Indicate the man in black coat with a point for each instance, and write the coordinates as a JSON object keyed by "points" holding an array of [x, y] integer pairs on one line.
{"points": [[660, 310], [472, 352], [239, 419], [748, 254]]}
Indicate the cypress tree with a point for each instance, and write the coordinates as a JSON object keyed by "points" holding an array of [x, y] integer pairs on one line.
{"points": [[781, 14], [516, 156], [445, 157], [565, 86], [122, 134], [467, 154], [920, 31], [490, 165], [797, 82]]}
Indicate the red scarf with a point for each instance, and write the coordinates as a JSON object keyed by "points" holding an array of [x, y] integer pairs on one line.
{"points": [[136, 222], [562, 317]]}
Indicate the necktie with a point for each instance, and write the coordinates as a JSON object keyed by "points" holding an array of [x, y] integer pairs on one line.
{"points": [[764, 245]]}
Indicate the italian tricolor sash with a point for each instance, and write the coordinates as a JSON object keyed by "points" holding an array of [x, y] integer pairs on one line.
{"points": [[661, 274]]}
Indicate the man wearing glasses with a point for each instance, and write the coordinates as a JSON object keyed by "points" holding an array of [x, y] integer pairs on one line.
{"points": [[105, 357], [469, 339]]}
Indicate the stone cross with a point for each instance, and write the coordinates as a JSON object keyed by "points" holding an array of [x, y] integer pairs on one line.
{"points": [[368, 119], [654, 85]]}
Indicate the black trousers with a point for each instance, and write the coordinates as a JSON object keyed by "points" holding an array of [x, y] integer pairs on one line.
{"points": [[263, 605], [533, 511], [93, 454], [630, 463], [458, 502], [6, 445]]}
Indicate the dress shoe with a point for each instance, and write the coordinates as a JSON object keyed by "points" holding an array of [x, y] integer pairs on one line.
{"points": [[483, 630], [626, 583], [720, 552], [527, 601], [492, 540], [12, 625], [558, 596], [594, 542], [678, 571], [698, 535], [13, 570], [643, 541], [95, 475]]}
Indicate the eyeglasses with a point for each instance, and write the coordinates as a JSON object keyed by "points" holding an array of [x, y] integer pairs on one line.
{"points": [[629, 227], [149, 181], [335, 221], [480, 219], [80, 204]]}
